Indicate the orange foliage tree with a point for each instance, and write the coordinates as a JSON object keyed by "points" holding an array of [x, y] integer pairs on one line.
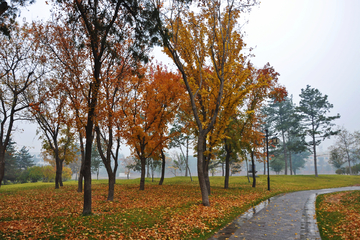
{"points": [[118, 70], [153, 100], [205, 45], [69, 60]]}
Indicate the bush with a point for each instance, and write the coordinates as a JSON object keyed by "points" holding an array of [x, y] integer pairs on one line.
{"points": [[48, 173], [23, 177], [66, 174], [340, 171], [35, 173]]}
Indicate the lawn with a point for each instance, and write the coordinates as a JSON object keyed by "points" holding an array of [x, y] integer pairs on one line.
{"points": [[338, 215], [173, 210]]}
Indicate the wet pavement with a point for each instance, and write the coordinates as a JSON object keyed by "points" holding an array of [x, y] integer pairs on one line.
{"points": [[286, 216]]}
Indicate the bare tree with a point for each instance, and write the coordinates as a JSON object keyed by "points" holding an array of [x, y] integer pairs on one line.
{"points": [[21, 64]]}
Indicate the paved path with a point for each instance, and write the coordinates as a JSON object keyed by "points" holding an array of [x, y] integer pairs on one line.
{"points": [[286, 216]]}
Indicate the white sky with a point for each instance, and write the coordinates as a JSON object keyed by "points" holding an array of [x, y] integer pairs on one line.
{"points": [[313, 42]]}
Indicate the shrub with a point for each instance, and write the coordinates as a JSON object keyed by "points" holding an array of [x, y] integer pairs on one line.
{"points": [[35, 173], [66, 174], [23, 177], [48, 173]]}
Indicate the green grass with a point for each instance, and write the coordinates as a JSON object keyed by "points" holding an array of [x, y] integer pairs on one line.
{"points": [[338, 215], [172, 210]]}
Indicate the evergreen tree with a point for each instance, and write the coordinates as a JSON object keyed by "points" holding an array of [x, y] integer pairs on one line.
{"points": [[313, 108], [96, 161], [283, 119], [11, 167], [24, 159], [298, 160]]}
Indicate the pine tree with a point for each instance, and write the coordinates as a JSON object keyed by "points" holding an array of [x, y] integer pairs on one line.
{"points": [[313, 108]]}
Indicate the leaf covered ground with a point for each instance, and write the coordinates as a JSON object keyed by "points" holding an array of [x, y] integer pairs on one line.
{"points": [[338, 215], [172, 211]]}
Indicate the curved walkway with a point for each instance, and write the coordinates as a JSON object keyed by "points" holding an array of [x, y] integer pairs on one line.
{"points": [[286, 216]]}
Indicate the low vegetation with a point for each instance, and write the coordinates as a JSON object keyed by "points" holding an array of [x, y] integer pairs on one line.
{"points": [[173, 210], [338, 215]]}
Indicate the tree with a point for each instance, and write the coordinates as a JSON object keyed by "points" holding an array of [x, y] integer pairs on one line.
{"points": [[280, 115], [8, 14], [277, 164], [179, 162], [11, 167], [298, 160], [21, 65], [204, 45], [153, 102], [54, 121], [96, 161], [24, 158], [313, 108], [101, 24], [182, 138], [345, 149]]}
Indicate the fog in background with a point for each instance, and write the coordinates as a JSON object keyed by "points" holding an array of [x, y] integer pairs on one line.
{"points": [[314, 42]]}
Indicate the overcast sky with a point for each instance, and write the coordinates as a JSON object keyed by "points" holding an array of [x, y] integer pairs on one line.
{"points": [[309, 42]]}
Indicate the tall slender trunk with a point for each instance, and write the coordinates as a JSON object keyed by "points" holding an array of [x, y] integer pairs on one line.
{"points": [[162, 168], [81, 176], [186, 158], [152, 170], [348, 158], [264, 159], [200, 167], [285, 152], [315, 160], [253, 168], [148, 169], [142, 178], [87, 166], [61, 172], [2, 164], [227, 165], [290, 161], [247, 169]]}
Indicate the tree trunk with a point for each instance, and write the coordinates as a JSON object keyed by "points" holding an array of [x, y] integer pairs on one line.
{"points": [[187, 157], [253, 168], [61, 172], [162, 168], [206, 174], [190, 174], [112, 180], [315, 160], [2, 166], [152, 170], [81, 176], [87, 166], [57, 172], [142, 178], [227, 165], [200, 167], [348, 158], [290, 161], [247, 169], [148, 169], [285, 153]]}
